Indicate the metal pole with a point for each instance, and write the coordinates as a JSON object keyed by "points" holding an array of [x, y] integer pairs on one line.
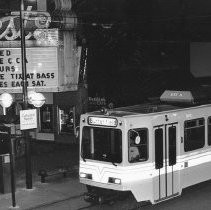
{"points": [[12, 171], [4, 110], [24, 84]]}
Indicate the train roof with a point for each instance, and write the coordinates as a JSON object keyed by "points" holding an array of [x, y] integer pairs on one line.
{"points": [[169, 100], [137, 109]]}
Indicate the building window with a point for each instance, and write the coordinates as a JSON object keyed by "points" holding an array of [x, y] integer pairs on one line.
{"points": [[194, 137], [46, 118], [138, 145], [66, 119]]}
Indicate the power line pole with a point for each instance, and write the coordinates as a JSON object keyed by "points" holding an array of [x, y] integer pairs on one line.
{"points": [[25, 106]]}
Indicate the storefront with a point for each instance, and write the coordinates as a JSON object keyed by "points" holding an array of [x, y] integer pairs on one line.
{"points": [[53, 69]]}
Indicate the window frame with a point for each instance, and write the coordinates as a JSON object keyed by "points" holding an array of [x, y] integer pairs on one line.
{"points": [[92, 144], [42, 130], [194, 125], [208, 131], [147, 144], [70, 109]]}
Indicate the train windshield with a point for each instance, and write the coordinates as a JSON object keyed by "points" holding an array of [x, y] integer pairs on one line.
{"points": [[103, 144]]}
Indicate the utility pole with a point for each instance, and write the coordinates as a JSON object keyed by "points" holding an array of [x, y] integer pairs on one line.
{"points": [[25, 106]]}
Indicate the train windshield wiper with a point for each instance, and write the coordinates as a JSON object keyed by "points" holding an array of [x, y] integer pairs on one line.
{"points": [[114, 163]]}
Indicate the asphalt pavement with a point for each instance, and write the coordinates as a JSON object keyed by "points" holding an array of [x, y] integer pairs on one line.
{"points": [[52, 158]]}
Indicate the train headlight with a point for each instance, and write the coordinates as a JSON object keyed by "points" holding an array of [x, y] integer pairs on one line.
{"points": [[117, 181], [82, 175], [114, 180], [85, 176]]}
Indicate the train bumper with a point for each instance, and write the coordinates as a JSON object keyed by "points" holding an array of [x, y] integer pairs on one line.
{"points": [[111, 186]]}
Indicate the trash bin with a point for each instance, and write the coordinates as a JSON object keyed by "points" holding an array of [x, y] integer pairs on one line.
{"points": [[5, 179]]}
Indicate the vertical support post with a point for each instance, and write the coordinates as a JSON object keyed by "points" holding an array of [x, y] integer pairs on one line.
{"points": [[25, 106], [92, 141], [74, 123], [4, 110], [12, 171]]}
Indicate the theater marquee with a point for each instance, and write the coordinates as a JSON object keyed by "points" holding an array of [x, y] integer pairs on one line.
{"points": [[42, 68]]}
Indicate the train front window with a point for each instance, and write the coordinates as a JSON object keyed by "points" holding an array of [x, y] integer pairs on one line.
{"points": [[103, 144], [138, 145]]}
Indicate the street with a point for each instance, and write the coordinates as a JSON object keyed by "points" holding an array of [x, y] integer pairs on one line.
{"points": [[193, 198]]}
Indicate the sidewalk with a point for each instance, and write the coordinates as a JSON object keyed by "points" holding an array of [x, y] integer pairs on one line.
{"points": [[57, 188], [46, 194]]}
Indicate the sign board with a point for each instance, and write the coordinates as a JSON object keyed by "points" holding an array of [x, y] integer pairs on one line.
{"points": [[102, 121], [41, 63], [177, 96], [28, 119], [10, 25]]}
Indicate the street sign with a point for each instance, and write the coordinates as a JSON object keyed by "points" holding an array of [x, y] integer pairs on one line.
{"points": [[28, 119]]}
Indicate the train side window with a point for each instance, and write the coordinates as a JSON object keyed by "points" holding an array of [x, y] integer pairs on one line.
{"points": [[209, 130], [159, 148], [138, 145], [194, 134]]}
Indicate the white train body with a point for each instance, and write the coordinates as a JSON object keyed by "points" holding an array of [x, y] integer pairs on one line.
{"points": [[156, 150]]}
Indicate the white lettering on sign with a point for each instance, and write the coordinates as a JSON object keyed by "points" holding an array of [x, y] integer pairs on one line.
{"points": [[102, 121], [28, 119], [176, 94], [41, 63]]}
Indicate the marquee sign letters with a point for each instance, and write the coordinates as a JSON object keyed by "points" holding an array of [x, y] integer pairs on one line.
{"points": [[10, 25]]}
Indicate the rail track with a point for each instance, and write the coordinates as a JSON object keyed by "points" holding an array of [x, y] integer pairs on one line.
{"points": [[127, 204]]}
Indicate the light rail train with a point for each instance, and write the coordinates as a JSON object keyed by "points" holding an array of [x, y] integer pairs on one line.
{"points": [[152, 150]]}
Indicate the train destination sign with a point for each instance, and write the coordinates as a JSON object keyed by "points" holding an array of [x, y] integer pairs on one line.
{"points": [[102, 121], [41, 63]]}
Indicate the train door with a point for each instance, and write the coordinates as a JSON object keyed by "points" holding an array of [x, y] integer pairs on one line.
{"points": [[167, 178]]}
